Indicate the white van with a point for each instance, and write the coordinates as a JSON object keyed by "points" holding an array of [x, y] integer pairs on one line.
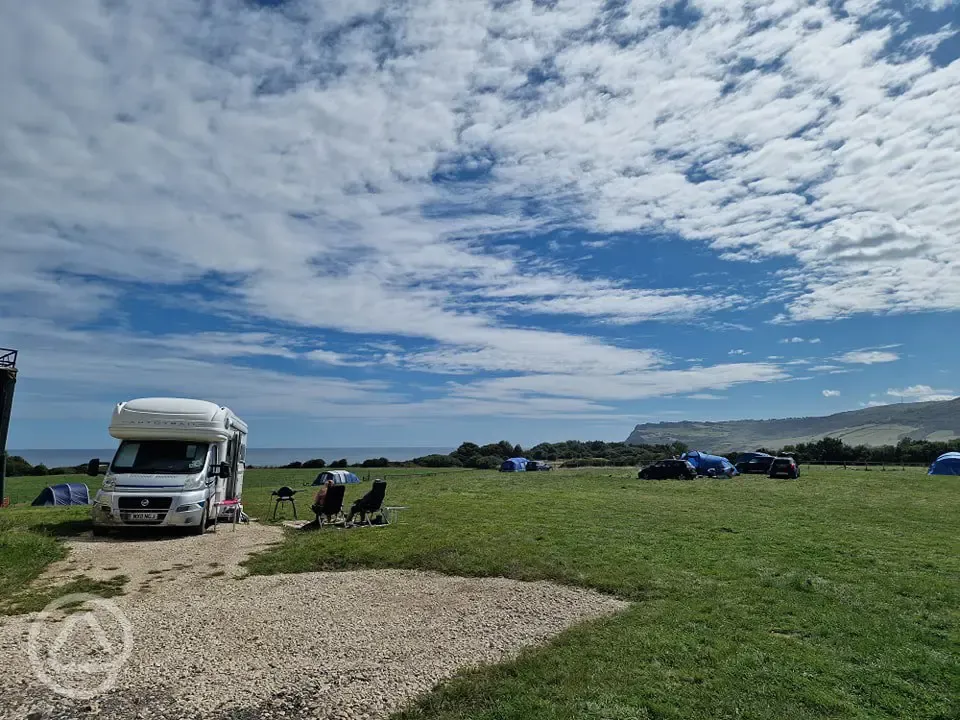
{"points": [[177, 459]]}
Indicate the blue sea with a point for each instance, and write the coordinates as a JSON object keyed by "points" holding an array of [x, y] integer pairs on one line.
{"points": [[261, 457]]}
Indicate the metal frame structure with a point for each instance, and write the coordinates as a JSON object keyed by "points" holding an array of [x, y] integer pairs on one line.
{"points": [[8, 383]]}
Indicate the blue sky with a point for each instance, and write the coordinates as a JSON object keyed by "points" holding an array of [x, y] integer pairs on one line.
{"points": [[366, 223]]}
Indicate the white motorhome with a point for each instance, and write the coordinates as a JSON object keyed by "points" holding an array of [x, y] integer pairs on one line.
{"points": [[177, 460]]}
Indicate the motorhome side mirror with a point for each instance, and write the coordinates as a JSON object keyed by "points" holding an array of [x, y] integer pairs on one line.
{"points": [[224, 470], [93, 467]]}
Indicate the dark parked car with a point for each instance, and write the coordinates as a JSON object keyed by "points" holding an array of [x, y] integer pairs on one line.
{"points": [[668, 470], [754, 463], [538, 466], [785, 467]]}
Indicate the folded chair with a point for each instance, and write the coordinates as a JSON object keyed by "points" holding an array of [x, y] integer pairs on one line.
{"points": [[284, 495], [370, 503], [332, 506]]}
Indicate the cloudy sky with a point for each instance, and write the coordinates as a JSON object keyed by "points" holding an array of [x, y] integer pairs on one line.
{"points": [[414, 223]]}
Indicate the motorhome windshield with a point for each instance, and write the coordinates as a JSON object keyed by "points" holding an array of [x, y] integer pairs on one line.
{"points": [[159, 456]]}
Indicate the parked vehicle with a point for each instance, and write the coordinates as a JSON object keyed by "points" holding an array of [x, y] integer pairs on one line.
{"points": [[177, 459], [538, 466], [668, 470], [754, 463], [785, 467]]}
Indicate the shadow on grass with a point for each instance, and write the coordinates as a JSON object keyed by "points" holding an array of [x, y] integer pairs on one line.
{"points": [[64, 528]]}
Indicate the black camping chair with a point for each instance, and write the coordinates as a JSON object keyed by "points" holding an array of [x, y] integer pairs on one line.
{"points": [[284, 495], [332, 507], [370, 503]]}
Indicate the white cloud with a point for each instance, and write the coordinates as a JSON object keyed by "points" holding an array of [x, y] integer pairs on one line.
{"points": [[831, 393], [824, 368], [626, 306], [738, 351], [329, 357], [792, 340], [622, 386], [868, 357], [706, 396], [814, 340], [921, 393]]}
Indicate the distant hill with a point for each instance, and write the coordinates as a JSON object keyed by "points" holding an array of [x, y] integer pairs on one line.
{"points": [[883, 425]]}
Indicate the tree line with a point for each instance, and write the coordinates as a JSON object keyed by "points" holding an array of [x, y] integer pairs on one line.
{"points": [[573, 453], [835, 450], [570, 452], [18, 466]]}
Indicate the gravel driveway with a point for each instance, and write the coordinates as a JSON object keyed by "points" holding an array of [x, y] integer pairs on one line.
{"points": [[210, 643]]}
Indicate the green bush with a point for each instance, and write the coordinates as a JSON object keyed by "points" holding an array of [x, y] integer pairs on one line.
{"points": [[380, 462], [437, 461], [18, 467], [316, 464], [488, 462]]}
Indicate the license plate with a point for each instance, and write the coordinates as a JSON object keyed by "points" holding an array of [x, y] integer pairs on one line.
{"points": [[144, 516]]}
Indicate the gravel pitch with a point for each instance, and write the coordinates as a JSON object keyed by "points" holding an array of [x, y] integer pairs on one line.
{"points": [[210, 643]]}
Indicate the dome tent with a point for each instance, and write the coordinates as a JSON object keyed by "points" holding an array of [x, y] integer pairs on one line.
{"points": [[704, 463], [514, 465], [339, 477], [63, 494], [946, 464]]}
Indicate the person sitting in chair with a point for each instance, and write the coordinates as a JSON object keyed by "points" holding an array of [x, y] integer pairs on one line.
{"points": [[321, 494]]}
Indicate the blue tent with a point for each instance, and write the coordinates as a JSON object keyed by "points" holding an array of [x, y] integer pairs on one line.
{"points": [[514, 465], [339, 477], [64, 494], [704, 463], [946, 464]]}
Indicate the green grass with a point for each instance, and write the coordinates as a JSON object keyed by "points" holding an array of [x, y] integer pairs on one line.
{"points": [[835, 596], [28, 543]]}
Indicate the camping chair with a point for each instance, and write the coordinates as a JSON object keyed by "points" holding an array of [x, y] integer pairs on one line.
{"points": [[232, 508], [332, 507], [369, 503], [284, 495]]}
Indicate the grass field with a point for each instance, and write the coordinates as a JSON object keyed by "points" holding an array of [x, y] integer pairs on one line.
{"points": [[834, 596]]}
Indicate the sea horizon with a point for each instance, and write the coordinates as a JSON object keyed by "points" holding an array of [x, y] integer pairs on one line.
{"points": [[61, 457]]}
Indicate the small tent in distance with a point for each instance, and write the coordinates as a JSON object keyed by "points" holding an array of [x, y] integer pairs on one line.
{"points": [[339, 477], [514, 465], [63, 494], [946, 464]]}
